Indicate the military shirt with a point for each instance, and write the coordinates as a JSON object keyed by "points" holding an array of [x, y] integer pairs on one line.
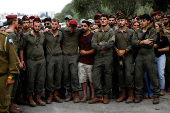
{"points": [[15, 40], [8, 57], [50, 40], [33, 46], [107, 38], [70, 41], [137, 38], [121, 41]]}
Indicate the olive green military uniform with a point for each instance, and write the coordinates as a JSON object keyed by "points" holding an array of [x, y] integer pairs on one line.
{"points": [[103, 62], [145, 60], [15, 41], [8, 66], [70, 59], [167, 69], [126, 68], [36, 65], [54, 60]]}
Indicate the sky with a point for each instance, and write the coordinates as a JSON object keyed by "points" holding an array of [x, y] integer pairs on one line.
{"points": [[32, 6]]}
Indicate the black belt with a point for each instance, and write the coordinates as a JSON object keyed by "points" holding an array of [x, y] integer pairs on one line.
{"points": [[70, 54], [36, 59]]}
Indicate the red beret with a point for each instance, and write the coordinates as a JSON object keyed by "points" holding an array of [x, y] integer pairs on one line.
{"points": [[73, 22], [158, 12], [11, 16], [98, 15], [111, 16], [37, 19], [153, 13], [25, 17], [164, 16], [31, 17]]}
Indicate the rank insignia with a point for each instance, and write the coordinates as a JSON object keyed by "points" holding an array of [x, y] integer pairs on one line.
{"points": [[10, 41]]}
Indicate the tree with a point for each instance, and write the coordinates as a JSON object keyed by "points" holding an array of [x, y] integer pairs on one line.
{"points": [[162, 5]]}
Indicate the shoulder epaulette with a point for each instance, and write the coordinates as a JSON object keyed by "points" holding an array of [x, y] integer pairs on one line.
{"points": [[4, 33]]}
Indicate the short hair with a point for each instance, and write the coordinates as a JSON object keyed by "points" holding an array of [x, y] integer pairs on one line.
{"points": [[87, 22], [122, 17], [47, 19], [146, 16], [136, 22], [104, 15], [10, 21], [55, 20], [20, 21]]}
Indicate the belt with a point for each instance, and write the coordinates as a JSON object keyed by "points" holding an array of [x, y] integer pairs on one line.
{"points": [[2, 74], [103, 54], [56, 54], [70, 54], [146, 53], [36, 59]]}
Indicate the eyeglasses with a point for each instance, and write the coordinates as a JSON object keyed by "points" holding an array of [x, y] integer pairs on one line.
{"points": [[46, 24]]}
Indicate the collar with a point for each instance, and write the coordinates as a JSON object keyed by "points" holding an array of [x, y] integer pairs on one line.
{"points": [[29, 32], [104, 31], [123, 31], [49, 32]]}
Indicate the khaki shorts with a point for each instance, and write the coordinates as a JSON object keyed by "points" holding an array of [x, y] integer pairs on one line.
{"points": [[84, 72]]}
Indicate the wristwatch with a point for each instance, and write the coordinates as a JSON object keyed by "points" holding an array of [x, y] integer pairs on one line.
{"points": [[11, 77]]}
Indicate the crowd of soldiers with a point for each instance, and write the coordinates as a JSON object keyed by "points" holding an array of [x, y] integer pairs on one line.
{"points": [[109, 54]]}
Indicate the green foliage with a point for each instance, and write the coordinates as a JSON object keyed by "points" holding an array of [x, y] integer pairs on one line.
{"points": [[162, 5]]}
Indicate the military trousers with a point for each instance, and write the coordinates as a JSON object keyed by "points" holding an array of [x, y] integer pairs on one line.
{"points": [[22, 82], [4, 95], [167, 69], [54, 72], [145, 62], [125, 71], [103, 66], [36, 73], [14, 88], [70, 72]]}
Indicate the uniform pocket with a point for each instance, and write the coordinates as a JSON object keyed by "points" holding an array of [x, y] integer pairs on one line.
{"points": [[6, 100]]}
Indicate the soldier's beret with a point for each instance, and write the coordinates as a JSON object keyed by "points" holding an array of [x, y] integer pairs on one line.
{"points": [[97, 16], [25, 17], [37, 19], [165, 16], [47, 19], [73, 22], [31, 17], [158, 12], [11, 16], [111, 16], [153, 13]]}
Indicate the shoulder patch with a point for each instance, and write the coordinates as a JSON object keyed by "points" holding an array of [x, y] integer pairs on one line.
{"points": [[10, 41]]}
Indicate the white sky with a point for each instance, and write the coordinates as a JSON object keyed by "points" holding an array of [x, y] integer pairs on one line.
{"points": [[32, 6]]}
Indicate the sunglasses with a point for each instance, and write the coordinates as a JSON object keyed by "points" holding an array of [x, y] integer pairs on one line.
{"points": [[46, 24]]}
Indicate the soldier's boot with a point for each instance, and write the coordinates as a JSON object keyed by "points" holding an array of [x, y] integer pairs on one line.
{"points": [[50, 97], [96, 100], [56, 97], [69, 96], [12, 108], [39, 101], [122, 97], [20, 100], [156, 100], [105, 100], [76, 97], [137, 99], [31, 101], [131, 97], [168, 89]]}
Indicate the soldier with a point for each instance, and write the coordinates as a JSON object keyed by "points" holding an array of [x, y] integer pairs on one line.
{"points": [[97, 21], [31, 18], [68, 18], [47, 23], [21, 91], [70, 60], [12, 21], [158, 16], [165, 20], [102, 42], [144, 38], [125, 64], [8, 70], [33, 46], [112, 20], [2, 28], [54, 61]]}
